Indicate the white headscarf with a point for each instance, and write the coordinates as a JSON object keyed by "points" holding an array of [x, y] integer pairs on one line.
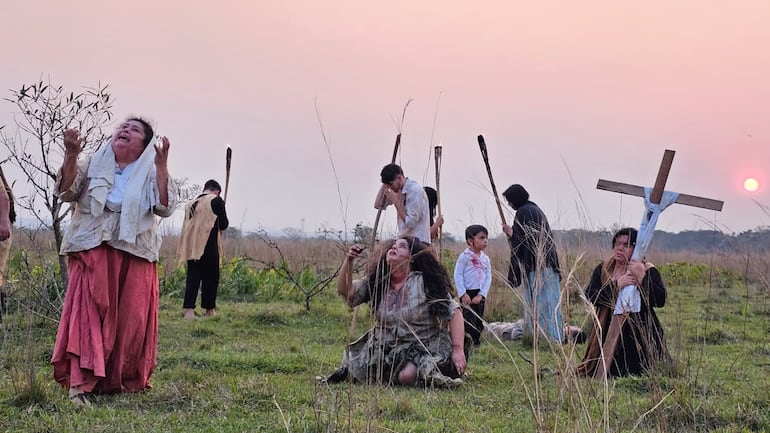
{"points": [[139, 196]]}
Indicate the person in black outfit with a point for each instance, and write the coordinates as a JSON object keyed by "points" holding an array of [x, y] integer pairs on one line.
{"points": [[642, 344], [535, 264], [205, 219]]}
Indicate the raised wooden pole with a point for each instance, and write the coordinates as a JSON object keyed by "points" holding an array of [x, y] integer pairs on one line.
{"points": [[382, 203], [437, 156], [485, 156], [228, 160], [373, 241]]}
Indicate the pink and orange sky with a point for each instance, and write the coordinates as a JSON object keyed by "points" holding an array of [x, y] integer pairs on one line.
{"points": [[564, 92]]}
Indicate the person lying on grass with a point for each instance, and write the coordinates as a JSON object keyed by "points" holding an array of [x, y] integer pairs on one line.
{"points": [[418, 337]]}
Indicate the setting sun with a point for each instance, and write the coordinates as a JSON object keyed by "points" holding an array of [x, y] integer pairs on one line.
{"points": [[750, 184]]}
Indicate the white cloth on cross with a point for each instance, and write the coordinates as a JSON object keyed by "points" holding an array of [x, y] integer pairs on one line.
{"points": [[629, 299]]}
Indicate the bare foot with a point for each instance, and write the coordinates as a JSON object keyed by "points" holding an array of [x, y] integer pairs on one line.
{"points": [[78, 397], [210, 313], [189, 314]]}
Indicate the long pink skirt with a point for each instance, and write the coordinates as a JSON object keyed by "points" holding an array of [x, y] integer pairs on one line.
{"points": [[108, 333]]}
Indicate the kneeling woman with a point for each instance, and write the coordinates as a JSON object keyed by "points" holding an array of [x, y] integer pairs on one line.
{"points": [[419, 334], [642, 344]]}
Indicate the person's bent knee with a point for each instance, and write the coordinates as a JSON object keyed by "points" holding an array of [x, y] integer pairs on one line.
{"points": [[408, 376]]}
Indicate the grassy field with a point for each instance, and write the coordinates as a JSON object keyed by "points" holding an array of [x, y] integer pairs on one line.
{"points": [[252, 368]]}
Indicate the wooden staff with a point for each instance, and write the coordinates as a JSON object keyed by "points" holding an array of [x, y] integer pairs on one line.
{"points": [[228, 159], [382, 203], [354, 320], [485, 155], [437, 157]]}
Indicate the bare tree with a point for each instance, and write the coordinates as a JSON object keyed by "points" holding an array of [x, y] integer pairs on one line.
{"points": [[43, 112], [306, 274], [186, 191]]}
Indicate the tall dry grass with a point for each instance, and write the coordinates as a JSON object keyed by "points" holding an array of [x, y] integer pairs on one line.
{"points": [[578, 407], [504, 303]]}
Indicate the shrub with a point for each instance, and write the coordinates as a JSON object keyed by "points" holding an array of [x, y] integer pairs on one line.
{"points": [[172, 279], [688, 274]]}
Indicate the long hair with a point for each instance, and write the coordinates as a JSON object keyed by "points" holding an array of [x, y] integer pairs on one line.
{"points": [[432, 202], [436, 283]]}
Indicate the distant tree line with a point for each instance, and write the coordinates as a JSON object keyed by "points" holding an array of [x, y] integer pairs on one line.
{"points": [[697, 241]]}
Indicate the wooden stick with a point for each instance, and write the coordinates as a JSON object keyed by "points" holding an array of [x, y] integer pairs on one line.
{"points": [[354, 320], [228, 159], [609, 346], [485, 155], [437, 157], [662, 177], [382, 203]]}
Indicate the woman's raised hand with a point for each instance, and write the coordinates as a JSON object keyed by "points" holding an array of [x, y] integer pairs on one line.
{"points": [[73, 142], [355, 251], [161, 152]]}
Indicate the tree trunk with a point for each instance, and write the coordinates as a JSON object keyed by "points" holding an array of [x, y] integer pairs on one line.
{"points": [[59, 236]]}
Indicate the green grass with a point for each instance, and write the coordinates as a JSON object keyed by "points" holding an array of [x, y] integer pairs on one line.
{"points": [[253, 368]]}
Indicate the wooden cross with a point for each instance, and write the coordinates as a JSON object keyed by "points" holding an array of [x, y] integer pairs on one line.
{"points": [[616, 325]]}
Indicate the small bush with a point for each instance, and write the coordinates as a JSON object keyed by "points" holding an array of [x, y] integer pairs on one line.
{"points": [[172, 279], [688, 274]]}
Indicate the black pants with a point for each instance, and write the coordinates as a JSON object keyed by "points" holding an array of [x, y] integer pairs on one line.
{"points": [[202, 274], [473, 315]]}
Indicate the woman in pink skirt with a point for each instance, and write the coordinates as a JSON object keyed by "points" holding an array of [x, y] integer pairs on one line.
{"points": [[108, 333]]}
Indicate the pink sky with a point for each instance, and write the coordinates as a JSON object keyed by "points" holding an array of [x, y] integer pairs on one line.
{"points": [[565, 94]]}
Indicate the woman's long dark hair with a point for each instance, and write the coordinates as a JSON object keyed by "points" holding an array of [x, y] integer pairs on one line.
{"points": [[436, 282], [432, 203]]}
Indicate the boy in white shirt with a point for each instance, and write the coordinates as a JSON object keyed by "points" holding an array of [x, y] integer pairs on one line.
{"points": [[473, 276]]}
